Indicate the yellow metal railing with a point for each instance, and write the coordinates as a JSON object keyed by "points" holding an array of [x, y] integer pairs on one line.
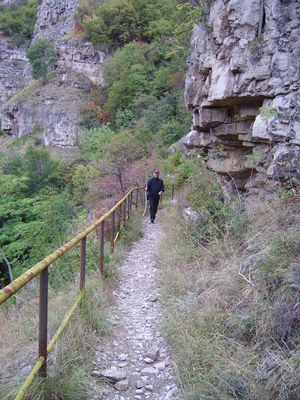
{"points": [[124, 208]]}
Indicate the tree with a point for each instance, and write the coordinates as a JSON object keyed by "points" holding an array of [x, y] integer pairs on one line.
{"points": [[42, 171], [122, 151], [41, 56]]}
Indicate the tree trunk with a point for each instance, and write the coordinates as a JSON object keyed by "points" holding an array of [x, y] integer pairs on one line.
{"points": [[120, 180], [8, 265]]}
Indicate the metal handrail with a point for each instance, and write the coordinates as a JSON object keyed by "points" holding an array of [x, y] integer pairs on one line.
{"points": [[41, 268], [22, 280]]}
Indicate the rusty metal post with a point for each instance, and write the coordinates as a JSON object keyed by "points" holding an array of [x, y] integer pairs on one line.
{"points": [[82, 263], [112, 241], [124, 210], [101, 246], [43, 320], [131, 196], [137, 198], [172, 192], [119, 217]]}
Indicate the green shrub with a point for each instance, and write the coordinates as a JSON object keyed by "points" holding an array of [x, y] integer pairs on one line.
{"points": [[18, 20], [124, 118], [93, 142], [123, 91], [122, 61], [170, 132], [116, 23], [35, 210], [41, 56]]}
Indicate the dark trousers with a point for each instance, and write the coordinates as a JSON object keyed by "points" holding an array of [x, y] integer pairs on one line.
{"points": [[153, 200]]}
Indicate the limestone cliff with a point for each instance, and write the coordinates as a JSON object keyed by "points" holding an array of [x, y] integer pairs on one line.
{"points": [[55, 21], [243, 89]]}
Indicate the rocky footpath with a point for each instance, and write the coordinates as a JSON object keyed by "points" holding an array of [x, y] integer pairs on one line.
{"points": [[243, 89], [75, 55], [135, 363]]}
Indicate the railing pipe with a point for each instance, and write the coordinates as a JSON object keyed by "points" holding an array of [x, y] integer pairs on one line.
{"points": [[101, 247], [82, 263], [112, 240], [18, 283], [119, 219], [124, 210], [42, 269], [43, 320]]}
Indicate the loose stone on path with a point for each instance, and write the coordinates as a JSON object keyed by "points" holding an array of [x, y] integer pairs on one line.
{"points": [[134, 364]]}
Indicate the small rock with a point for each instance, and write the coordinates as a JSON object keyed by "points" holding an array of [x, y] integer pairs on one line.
{"points": [[139, 391], [161, 366], [113, 374], [149, 387], [148, 360], [149, 371], [153, 353], [122, 385], [96, 373], [140, 384], [153, 298], [123, 357]]}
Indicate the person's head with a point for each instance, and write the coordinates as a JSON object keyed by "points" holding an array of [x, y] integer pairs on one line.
{"points": [[156, 173]]}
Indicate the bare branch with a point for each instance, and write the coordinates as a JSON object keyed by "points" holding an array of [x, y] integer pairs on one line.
{"points": [[248, 280]]}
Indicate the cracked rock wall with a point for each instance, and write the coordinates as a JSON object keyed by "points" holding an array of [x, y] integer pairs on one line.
{"points": [[243, 90], [75, 57]]}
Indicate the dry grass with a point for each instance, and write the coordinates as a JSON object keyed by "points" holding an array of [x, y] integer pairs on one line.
{"points": [[75, 349], [233, 339]]}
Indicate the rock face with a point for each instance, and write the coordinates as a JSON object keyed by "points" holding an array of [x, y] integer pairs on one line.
{"points": [[55, 19], [76, 57], [80, 56], [243, 89], [55, 22], [51, 111], [14, 69]]}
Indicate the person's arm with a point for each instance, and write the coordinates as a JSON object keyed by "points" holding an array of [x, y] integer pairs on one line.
{"points": [[148, 185], [162, 188]]}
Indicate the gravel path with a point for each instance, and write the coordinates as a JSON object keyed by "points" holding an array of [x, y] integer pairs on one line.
{"points": [[136, 359]]}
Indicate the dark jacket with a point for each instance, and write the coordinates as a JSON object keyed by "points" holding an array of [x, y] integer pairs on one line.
{"points": [[154, 186]]}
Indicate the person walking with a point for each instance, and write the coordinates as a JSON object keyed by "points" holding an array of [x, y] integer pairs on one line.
{"points": [[155, 189]]}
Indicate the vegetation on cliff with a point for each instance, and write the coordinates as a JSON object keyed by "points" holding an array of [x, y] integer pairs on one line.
{"points": [[17, 20], [142, 99], [41, 56]]}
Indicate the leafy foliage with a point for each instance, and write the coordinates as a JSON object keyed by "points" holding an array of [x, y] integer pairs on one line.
{"points": [[119, 22], [93, 142], [35, 208], [17, 20], [41, 56]]}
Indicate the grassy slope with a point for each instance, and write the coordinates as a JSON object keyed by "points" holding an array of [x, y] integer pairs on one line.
{"points": [[232, 339]]}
